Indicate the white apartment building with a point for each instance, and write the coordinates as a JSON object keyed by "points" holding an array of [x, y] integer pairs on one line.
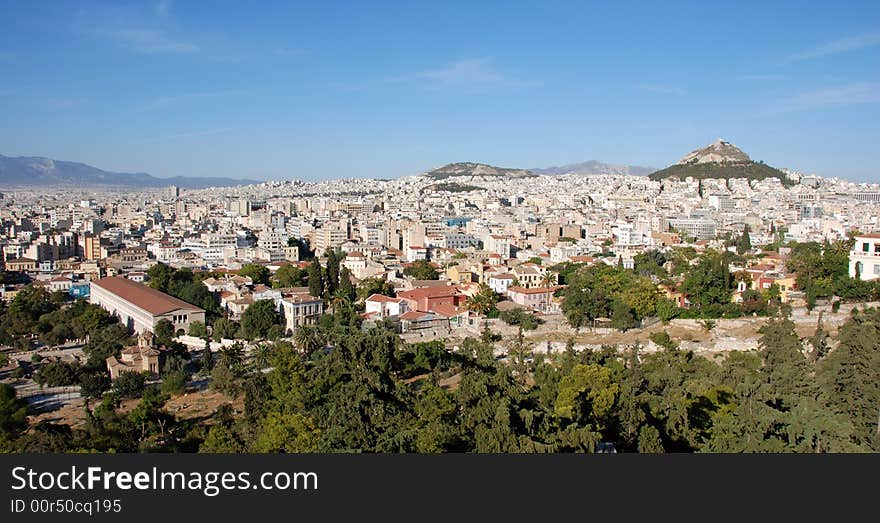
{"points": [[273, 240], [458, 240], [301, 309], [699, 228], [500, 282], [386, 306], [498, 244], [330, 235], [369, 234], [864, 258], [722, 202], [416, 253]]}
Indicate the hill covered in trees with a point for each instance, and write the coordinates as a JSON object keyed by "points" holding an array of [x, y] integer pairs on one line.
{"points": [[721, 160]]}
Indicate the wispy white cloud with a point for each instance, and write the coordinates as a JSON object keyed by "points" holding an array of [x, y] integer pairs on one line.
{"points": [[150, 41], [472, 73], [842, 45], [662, 89], [850, 94]]}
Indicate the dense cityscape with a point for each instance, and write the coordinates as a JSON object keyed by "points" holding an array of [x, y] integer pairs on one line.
{"points": [[469, 308], [235, 231]]}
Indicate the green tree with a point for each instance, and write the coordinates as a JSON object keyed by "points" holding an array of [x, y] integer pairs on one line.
{"points": [[370, 286], [225, 379], [207, 362], [93, 384], [160, 276], [663, 339], [520, 317], [290, 275], [483, 300], [174, 382], [198, 329], [221, 440], [287, 433], [257, 273], [331, 282], [258, 318], [587, 395], [346, 287], [224, 329], [13, 414], [785, 365], [709, 282], [666, 310], [316, 279], [163, 331], [58, 374], [849, 377], [744, 243], [130, 384], [421, 270], [649, 440], [622, 317]]}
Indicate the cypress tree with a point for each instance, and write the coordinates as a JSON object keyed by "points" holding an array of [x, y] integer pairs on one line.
{"points": [[316, 279]]}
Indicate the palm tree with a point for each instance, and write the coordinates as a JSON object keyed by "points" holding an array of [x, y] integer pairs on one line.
{"points": [[260, 356], [483, 300], [307, 339]]}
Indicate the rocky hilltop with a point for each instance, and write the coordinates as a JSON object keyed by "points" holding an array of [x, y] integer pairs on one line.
{"points": [[716, 152], [719, 160]]}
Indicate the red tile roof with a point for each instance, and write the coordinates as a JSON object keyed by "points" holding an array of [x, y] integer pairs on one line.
{"points": [[429, 292], [381, 298], [142, 296], [414, 315]]}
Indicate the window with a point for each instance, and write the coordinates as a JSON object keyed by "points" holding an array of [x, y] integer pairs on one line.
{"points": [[877, 269], [877, 247], [866, 247]]}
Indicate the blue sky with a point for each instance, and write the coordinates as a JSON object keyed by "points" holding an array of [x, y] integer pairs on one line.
{"points": [[273, 90]]}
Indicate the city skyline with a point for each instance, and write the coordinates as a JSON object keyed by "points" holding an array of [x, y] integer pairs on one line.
{"points": [[169, 89]]}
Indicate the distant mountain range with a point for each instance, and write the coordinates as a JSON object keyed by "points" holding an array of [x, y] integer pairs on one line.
{"points": [[591, 167], [455, 170], [720, 160], [596, 167], [23, 170]]}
